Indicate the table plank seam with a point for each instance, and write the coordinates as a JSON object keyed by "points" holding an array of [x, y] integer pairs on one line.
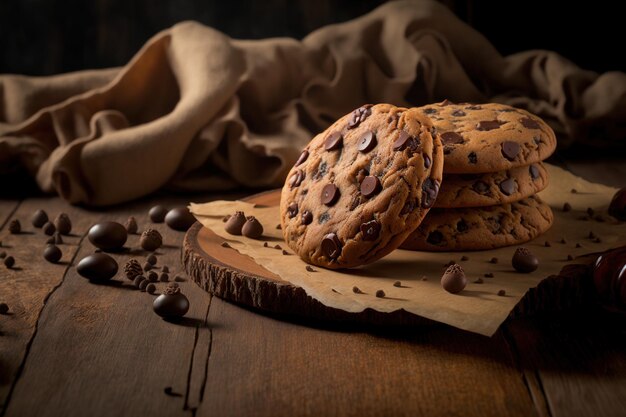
{"points": [[20, 369]]}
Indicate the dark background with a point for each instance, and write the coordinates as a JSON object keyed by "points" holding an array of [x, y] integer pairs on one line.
{"points": [[39, 37]]}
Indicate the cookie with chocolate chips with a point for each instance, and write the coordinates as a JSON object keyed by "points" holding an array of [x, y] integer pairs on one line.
{"points": [[481, 228], [360, 187], [480, 190], [479, 138]]}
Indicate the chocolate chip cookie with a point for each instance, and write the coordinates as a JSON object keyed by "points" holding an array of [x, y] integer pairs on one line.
{"points": [[481, 228], [479, 138], [480, 190], [360, 187]]}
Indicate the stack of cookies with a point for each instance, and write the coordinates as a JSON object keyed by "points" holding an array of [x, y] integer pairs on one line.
{"points": [[493, 168]]}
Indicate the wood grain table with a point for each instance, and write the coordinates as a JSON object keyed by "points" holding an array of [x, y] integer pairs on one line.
{"points": [[71, 348]]}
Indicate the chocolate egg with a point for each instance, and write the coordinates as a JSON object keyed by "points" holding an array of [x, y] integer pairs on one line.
{"points": [[157, 214], [97, 267], [108, 236], [179, 218]]}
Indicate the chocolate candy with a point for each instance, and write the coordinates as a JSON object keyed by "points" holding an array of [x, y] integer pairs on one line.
{"points": [[147, 266], [524, 261], [52, 254], [330, 194], [131, 225], [179, 218], [108, 236], [152, 276], [235, 223], [49, 228], [331, 246], [151, 240], [485, 125], [9, 261], [370, 230], [98, 267], [151, 259], [303, 157], [138, 280], [164, 277], [63, 224], [132, 269], [307, 217], [370, 186], [510, 150], [150, 288], [617, 208], [367, 142], [39, 218], [157, 214], [172, 303], [454, 279], [333, 141], [252, 228], [143, 285], [15, 227]]}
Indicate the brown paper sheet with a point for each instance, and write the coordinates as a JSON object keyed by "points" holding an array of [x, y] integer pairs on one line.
{"points": [[478, 308]]}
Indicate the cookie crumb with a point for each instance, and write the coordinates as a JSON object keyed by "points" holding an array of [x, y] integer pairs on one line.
{"points": [[567, 207], [277, 247], [479, 281], [547, 244], [225, 245], [310, 268], [489, 275], [563, 240], [380, 294], [285, 252], [590, 212], [570, 258], [278, 227], [591, 235], [464, 258], [494, 260], [573, 190], [397, 284], [501, 293], [578, 245], [356, 290]]}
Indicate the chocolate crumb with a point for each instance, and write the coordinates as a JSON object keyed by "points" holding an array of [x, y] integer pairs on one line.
{"points": [[464, 258], [573, 190], [479, 281], [578, 245], [277, 247], [310, 268], [570, 258], [494, 260], [489, 275], [225, 245], [590, 211], [501, 293], [563, 240], [397, 284], [380, 294], [591, 235], [597, 240], [547, 244], [567, 207], [265, 244], [278, 227], [356, 290], [285, 252]]}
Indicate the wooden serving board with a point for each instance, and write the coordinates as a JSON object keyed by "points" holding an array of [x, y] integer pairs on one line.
{"points": [[238, 278]]}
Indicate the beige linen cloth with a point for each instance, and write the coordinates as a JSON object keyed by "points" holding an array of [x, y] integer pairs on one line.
{"points": [[196, 110]]}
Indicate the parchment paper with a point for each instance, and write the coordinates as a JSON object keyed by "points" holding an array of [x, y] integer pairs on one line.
{"points": [[478, 308]]}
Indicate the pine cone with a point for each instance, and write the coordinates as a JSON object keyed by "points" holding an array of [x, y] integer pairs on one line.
{"points": [[132, 269], [151, 240]]}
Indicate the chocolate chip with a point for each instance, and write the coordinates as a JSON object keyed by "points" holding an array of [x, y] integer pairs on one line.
{"points": [[570, 258], [591, 235], [486, 125], [310, 268], [331, 246], [547, 244], [303, 157], [430, 189], [480, 187], [473, 107], [52, 254], [138, 280], [567, 207], [9, 261], [252, 228], [39, 218], [147, 266], [493, 260], [479, 281], [323, 218], [563, 240], [150, 288], [356, 290], [333, 141], [578, 245], [534, 171], [401, 142], [296, 178], [285, 252], [435, 237], [330, 194], [4, 308], [590, 211], [461, 226], [370, 230], [152, 276], [597, 240], [430, 110], [508, 186], [380, 294], [235, 223], [524, 261], [15, 227], [529, 123], [397, 284], [370, 186], [573, 191], [427, 161], [488, 275], [164, 277], [359, 115], [151, 259], [510, 150], [464, 258], [367, 142], [49, 228], [307, 217], [473, 159], [279, 227], [451, 138], [501, 293], [292, 210], [458, 113]]}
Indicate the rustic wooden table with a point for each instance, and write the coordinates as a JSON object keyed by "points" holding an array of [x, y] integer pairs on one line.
{"points": [[71, 348]]}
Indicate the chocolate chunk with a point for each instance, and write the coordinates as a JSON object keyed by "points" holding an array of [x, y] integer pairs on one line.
{"points": [[252, 228], [397, 284], [430, 189], [147, 266], [152, 276], [333, 141], [480, 187], [486, 125], [474, 107], [573, 191], [150, 288], [108, 236], [49, 228], [235, 223], [367, 142], [508, 186], [427, 161], [617, 207], [331, 246], [9, 261], [39, 218], [461, 226], [570, 258], [472, 158], [179, 218], [307, 217], [370, 230], [292, 210], [464, 258], [529, 123], [524, 261], [501, 293], [534, 171], [493, 260], [151, 259], [330, 194], [303, 156], [510, 150], [458, 113], [370, 186], [357, 290], [97, 267], [359, 115], [430, 110], [451, 138], [52, 254], [380, 294], [157, 214], [567, 207], [401, 142], [454, 279], [578, 245], [435, 237], [591, 235], [15, 227]]}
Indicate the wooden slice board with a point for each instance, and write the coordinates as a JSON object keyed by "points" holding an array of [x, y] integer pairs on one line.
{"points": [[237, 278]]}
